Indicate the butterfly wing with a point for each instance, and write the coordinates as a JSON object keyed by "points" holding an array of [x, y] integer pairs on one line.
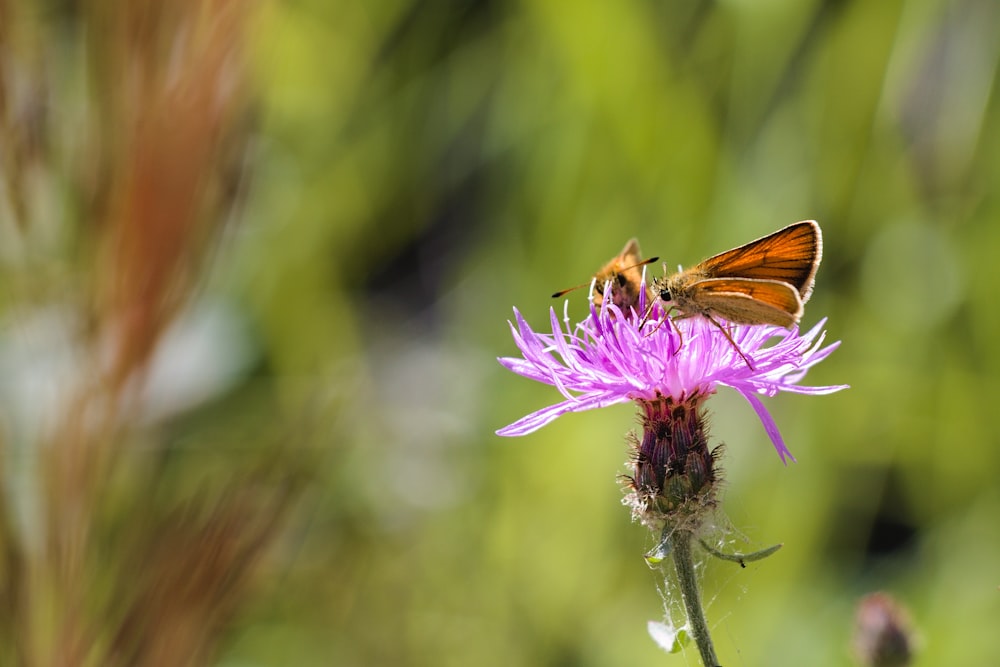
{"points": [[629, 256], [748, 301], [789, 255]]}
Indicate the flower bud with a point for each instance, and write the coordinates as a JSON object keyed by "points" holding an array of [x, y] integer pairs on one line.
{"points": [[883, 634], [673, 471]]}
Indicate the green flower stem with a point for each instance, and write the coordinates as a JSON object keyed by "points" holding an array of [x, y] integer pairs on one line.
{"points": [[688, 582]]}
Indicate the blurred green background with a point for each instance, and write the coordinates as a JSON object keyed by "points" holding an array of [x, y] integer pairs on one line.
{"points": [[415, 169]]}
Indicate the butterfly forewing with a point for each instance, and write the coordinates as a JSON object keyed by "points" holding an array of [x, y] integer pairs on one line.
{"points": [[789, 255]]}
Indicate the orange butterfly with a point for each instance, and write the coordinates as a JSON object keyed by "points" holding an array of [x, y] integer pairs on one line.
{"points": [[766, 281], [625, 278]]}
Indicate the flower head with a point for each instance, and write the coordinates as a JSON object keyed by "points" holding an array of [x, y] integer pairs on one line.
{"points": [[613, 357]]}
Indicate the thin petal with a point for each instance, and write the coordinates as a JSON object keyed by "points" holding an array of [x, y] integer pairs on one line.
{"points": [[540, 418], [769, 425]]}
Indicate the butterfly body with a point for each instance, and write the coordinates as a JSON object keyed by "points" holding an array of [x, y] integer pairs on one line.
{"points": [[624, 276], [620, 279]]}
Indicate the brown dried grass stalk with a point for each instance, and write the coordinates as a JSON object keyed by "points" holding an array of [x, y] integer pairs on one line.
{"points": [[151, 178]]}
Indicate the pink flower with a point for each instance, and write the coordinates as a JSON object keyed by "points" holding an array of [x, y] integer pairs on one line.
{"points": [[612, 358]]}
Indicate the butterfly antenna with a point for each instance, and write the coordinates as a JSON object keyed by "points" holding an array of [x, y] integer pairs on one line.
{"points": [[642, 263], [567, 291]]}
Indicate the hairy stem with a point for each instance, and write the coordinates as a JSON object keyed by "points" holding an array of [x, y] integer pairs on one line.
{"points": [[688, 581]]}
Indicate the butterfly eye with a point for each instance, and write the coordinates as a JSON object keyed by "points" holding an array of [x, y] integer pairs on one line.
{"points": [[665, 295]]}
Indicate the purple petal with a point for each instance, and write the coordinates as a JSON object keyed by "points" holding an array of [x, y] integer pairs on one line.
{"points": [[769, 425], [540, 418]]}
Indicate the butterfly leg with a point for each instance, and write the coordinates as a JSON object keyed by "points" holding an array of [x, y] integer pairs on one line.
{"points": [[666, 318], [647, 313], [736, 347], [680, 336]]}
